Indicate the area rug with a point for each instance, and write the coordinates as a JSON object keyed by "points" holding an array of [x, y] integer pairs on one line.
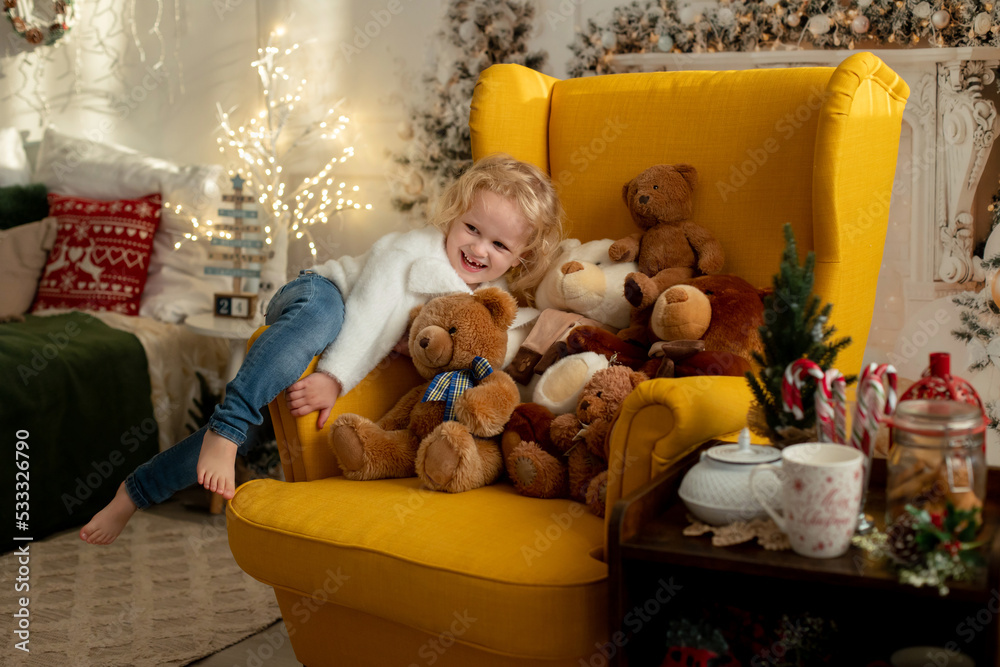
{"points": [[167, 592]]}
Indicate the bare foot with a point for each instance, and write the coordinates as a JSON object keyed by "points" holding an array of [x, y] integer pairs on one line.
{"points": [[217, 464], [109, 522]]}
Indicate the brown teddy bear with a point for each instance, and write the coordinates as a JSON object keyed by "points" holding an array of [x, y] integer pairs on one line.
{"points": [[704, 326], [670, 248], [442, 430], [571, 459]]}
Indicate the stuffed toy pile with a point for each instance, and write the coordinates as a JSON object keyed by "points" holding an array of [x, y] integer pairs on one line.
{"points": [[549, 456], [445, 430]]}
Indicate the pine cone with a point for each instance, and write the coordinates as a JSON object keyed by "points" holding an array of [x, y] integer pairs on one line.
{"points": [[903, 539]]}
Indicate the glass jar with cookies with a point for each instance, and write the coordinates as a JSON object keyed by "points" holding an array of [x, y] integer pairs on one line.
{"points": [[936, 457]]}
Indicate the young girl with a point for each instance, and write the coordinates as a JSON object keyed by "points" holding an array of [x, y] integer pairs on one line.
{"points": [[498, 224]]}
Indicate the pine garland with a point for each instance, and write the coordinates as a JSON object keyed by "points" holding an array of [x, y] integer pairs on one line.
{"points": [[477, 34], [754, 25], [795, 326]]}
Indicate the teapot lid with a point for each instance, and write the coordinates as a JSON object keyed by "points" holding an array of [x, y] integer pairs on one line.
{"points": [[743, 452]]}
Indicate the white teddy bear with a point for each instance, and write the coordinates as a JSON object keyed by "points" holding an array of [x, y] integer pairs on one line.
{"points": [[582, 279]]}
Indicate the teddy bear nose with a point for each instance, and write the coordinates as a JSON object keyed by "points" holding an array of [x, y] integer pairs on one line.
{"points": [[571, 267], [644, 199], [424, 342], [584, 405]]}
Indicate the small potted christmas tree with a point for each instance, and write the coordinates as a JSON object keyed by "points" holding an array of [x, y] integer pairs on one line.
{"points": [[797, 327]]}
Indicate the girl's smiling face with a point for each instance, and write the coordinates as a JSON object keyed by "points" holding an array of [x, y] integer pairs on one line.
{"points": [[487, 240]]}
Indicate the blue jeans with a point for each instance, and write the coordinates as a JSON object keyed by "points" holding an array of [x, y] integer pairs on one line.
{"points": [[304, 317]]}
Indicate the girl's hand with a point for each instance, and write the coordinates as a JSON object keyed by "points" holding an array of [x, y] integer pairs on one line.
{"points": [[316, 392], [403, 346]]}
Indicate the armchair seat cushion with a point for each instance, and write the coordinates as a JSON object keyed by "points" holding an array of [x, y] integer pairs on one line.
{"points": [[527, 570]]}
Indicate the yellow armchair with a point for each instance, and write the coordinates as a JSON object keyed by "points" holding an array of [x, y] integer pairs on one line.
{"points": [[383, 572]]}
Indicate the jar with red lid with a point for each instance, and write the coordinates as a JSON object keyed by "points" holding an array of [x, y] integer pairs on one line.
{"points": [[936, 456]]}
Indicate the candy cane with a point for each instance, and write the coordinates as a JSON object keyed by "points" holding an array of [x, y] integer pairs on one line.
{"points": [[876, 399], [831, 389]]}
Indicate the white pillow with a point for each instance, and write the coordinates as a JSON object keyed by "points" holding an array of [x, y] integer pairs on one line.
{"points": [[176, 285], [14, 169]]}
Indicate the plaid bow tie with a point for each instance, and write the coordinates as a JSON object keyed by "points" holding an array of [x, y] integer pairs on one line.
{"points": [[449, 385]]}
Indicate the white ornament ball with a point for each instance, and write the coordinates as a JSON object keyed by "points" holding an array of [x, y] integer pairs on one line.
{"points": [[414, 184], [982, 23], [864, 3], [771, 3], [793, 20], [819, 24], [405, 130], [725, 17], [665, 43], [689, 15], [860, 24], [940, 19], [467, 30], [609, 40], [922, 10]]}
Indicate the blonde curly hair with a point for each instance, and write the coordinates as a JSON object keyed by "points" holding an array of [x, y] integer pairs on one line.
{"points": [[530, 188]]}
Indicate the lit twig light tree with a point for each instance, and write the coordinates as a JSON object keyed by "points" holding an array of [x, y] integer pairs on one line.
{"points": [[262, 152]]}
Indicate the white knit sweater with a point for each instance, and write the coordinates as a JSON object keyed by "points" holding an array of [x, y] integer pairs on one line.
{"points": [[402, 270]]}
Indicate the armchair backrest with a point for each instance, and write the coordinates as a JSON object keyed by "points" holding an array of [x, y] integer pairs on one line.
{"points": [[815, 147]]}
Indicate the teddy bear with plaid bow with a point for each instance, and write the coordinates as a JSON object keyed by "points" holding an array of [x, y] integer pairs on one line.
{"points": [[445, 431]]}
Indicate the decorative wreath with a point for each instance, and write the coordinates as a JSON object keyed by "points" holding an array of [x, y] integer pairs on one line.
{"points": [[63, 15]]}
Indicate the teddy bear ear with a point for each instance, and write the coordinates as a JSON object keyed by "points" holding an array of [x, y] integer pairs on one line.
{"points": [[637, 378], [413, 315], [625, 191], [688, 173], [502, 306]]}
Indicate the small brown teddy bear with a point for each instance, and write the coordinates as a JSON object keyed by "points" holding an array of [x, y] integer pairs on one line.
{"points": [[670, 248], [442, 430], [704, 326], [724, 311], [573, 460]]}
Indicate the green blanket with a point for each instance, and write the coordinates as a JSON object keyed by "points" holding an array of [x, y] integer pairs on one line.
{"points": [[77, 393]]}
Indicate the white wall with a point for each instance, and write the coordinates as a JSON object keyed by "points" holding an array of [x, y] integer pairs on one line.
{"points": [[170, 111]]}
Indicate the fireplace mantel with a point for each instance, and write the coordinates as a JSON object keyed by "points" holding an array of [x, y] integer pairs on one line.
{"points": [[948, 132]]}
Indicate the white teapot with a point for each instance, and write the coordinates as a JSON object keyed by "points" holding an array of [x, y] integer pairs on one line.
{"points": [[716, 490]]}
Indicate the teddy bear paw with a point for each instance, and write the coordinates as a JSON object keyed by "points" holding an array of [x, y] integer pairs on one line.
{"points": [[535, 473], [347, 444], [441, 453], [597, 493], [450, 459], [640, 291]]}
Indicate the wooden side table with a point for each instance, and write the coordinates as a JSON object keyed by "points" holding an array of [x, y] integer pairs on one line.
{"points": [[237, 332], [656, 573]]}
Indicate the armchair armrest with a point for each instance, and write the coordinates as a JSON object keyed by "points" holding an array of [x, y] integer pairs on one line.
{"points": [[664, 419], [303, 448]]}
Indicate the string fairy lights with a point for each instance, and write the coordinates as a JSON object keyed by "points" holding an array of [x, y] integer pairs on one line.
{"points": [[292, 207]]}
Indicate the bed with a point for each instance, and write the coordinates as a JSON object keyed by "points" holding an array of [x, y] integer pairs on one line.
{"points": [[96, 385]]}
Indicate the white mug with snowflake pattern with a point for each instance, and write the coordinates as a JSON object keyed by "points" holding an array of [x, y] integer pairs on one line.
{"points": [[821, 494]]}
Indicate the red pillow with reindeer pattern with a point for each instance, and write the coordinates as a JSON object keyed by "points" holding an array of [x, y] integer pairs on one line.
{"points": [[101, 254]]}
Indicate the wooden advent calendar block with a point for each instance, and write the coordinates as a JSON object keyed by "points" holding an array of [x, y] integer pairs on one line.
{"points": [[238, 251]]}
